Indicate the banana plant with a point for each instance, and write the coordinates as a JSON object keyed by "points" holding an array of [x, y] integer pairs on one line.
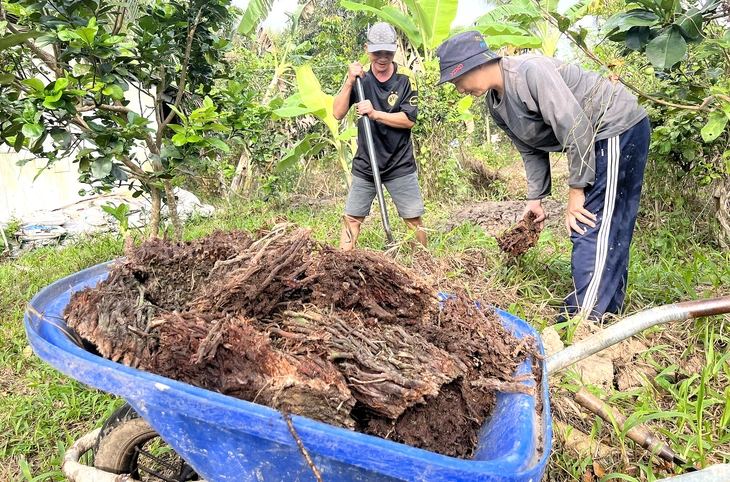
{"points": [[526, 18], [256, 12], [426, 23], [283, 62], [312, 100]]}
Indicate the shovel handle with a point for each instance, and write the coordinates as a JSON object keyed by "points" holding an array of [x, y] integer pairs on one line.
{"points": [[636, 324], [374, 164]]}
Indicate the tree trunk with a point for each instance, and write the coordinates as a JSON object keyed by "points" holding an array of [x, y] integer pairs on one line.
{"points": [[154, 225], [722, 211], [244, 162], [172, 210], [272, 88]]}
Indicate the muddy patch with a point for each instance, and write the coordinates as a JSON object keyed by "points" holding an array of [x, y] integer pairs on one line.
{"points": [[497, 217], [353, 339]]}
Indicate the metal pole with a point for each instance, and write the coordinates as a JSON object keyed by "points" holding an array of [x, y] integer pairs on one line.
{"points": [[636, 324], [374, 165]]}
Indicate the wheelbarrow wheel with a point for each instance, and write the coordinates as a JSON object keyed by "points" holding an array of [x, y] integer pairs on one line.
{"points": [[127, 444]]}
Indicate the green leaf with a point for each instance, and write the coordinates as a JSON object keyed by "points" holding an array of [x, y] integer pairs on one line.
{"points": [[59, 85], [179, 139], [9, 41], [19, 142], [507, 11], [489, 29], [96, 127], [294, 154], [691, 24], [464, 104], [79, 70], [715, 126], [286, 112], [440, 14], [101, 168], [33, 130], [579, 36], [148, 24], [6, 79], [256, 12], [53, 97], [177, 128], [170, 152], [637, 38], [133, 117], [419, 17], [347, 134], [87, 34], [218, 143], [314, 97], [525, 42], [667, 49], [633, 18], [35, 84], [179, 114], [62, 137], [393, 16], [114, 91]]}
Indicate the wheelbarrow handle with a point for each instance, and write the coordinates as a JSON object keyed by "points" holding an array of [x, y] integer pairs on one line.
{"points": [[374, 164], [636, 324]]}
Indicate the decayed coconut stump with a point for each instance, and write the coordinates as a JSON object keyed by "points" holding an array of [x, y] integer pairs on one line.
{"points": [[353, 339]]}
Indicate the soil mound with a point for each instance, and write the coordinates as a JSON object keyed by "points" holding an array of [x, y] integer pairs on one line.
{"points": [[353, 339]]}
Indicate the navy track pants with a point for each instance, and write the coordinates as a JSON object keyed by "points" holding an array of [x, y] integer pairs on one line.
{"points": [[600, 258]]}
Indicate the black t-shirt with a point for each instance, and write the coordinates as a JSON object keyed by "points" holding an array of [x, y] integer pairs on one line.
{"points": [[393, 146]]}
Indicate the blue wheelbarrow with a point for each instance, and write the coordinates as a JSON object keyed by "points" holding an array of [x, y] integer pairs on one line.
{"points": [[223, 438]]}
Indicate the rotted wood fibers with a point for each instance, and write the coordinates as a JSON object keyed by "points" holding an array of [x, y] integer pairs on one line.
{"points": [[353, 339]]}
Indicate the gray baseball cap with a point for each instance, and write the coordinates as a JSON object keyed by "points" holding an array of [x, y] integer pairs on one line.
{"points": [[461, 53], [382, 36]]}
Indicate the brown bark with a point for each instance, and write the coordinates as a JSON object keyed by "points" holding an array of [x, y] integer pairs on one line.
{"points": [[172, 210], [154, 226]]}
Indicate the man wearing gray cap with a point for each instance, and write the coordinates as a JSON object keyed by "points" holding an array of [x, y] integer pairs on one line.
{"points": [[391, 103], [545, 106]]}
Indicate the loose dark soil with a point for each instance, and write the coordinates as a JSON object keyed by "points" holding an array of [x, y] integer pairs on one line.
{"points": [[521, 237], [353, 339]]}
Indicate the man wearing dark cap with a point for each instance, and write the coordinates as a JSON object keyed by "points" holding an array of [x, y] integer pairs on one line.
{"points": [[391, 103], [545, 106]]}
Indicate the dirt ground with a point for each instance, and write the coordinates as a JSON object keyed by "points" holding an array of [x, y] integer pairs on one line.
{"points": [[353, 339], [496, 217]]}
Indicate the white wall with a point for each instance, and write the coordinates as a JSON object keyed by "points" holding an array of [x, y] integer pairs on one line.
{"points": [[21, 195], [57, 186]]}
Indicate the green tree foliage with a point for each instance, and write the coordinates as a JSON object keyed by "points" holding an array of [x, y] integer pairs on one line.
{"points": [[689, 52], [70, 68]]}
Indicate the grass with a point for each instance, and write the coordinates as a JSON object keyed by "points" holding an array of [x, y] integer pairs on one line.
{"points": [[42, 411]]}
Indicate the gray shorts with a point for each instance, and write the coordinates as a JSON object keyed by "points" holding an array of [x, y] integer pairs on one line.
{"points": [[404, 191]]}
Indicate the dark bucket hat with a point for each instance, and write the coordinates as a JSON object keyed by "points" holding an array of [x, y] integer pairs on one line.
{"points": [[461, 53]]}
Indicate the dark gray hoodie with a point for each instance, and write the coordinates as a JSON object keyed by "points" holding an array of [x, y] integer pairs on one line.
{"points": [[550, 106]]}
